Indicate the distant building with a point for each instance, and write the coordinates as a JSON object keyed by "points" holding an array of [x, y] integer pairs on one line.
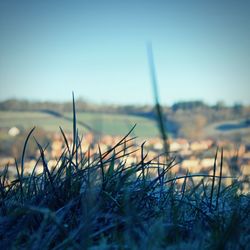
{"points": [[14, 131]]}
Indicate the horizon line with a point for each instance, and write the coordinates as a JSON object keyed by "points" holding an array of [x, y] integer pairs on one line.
{"points": [[108, 103]]}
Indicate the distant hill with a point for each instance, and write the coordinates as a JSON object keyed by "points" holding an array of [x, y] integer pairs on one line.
{"points": [[183, 119]]}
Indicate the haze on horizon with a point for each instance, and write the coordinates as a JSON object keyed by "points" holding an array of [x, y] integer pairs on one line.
{"points": [[98, 50]]}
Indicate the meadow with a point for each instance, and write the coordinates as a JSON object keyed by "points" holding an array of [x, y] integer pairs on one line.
{"points": [[113, 124], [106, 203]]}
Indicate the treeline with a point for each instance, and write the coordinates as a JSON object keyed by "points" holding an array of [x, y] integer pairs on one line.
{"points": [[84, 106], [81, 105]]}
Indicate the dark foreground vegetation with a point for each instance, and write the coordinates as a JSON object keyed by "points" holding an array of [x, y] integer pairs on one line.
{"points": [[106, 203]]}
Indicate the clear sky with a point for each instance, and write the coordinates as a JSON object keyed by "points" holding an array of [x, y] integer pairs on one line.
{"points": [[98, 50]]}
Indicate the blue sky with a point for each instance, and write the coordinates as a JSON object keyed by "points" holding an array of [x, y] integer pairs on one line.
{"points": [[98, 50]]}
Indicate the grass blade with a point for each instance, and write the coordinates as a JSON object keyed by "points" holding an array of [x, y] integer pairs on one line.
{"points": [[74, 124], [22, 159], [213, 180], [219, 185], [160, 117]]}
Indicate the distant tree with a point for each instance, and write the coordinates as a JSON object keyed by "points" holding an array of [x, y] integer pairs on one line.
{"points": [[189, 105], [247, 121], [219, 105], [238, 108]]}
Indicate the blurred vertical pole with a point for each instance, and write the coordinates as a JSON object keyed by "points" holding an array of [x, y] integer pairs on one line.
{"points": [[160, 117]]}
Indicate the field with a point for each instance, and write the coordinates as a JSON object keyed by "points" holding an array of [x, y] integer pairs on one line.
{"points": [[113, 124], [107, 203], [234, 130]]}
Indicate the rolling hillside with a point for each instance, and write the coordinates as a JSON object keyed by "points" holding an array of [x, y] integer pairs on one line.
{"points": [[113, 124]]}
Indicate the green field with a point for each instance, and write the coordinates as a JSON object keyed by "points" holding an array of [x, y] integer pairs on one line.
{"points": [[113, 124]]}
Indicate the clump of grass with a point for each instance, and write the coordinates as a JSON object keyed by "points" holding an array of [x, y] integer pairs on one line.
{"points": [[105, 203]]}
